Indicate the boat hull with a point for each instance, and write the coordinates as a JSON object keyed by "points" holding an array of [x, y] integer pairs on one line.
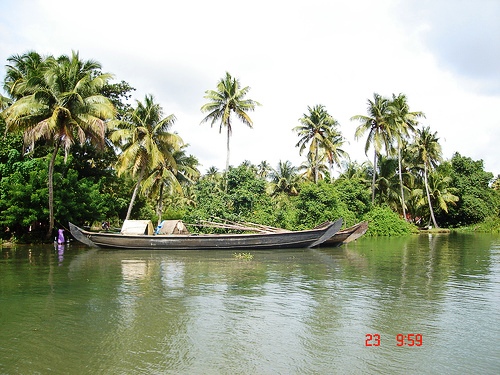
{"points": [[298, 239], [346, 235]]}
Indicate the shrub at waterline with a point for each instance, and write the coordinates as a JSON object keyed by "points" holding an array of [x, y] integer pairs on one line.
{"points": [[317, 203], [382, 221], [490, 225]]}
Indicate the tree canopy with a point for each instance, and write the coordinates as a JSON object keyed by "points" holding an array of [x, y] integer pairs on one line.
{"points": [[75, 149], [226, 100], [57, 100]]}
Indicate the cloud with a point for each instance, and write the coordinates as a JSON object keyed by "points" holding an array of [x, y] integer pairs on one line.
{"points": [[442, 54], [464, 36]]}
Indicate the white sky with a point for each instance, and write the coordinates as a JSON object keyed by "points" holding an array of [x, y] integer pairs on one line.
{"points": [[443, 54]]}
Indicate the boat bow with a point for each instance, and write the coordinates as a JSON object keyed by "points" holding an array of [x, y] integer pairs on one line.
{"points": [[80, 236], [332, 229]]}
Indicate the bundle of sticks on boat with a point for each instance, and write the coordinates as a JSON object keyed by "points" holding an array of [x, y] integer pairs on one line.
{"points": [[244, 226]]}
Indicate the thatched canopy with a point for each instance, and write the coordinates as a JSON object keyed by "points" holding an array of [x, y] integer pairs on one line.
{"points": [[172, 227], [137, 227]]}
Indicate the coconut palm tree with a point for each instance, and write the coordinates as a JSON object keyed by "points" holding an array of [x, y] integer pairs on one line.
{"points": [[441, 191], [403, 122], [161, 178], [387, 182], [146, 142], [4, 102], [187, 166], [379, 130], [250, 166], [24, 74], [212, 174], [60, 104], [263, 169], [228, 98], [334, 153], [284, 179], [318, 131], [314, 170], [417, 206], [427, 151], [166, 177], [354, 170]]}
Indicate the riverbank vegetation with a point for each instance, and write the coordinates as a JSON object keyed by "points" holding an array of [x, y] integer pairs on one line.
{"points": [[74, 149]]}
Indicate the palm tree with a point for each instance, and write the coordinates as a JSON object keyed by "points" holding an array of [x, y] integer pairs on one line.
{"points": [[284, 179], [417, 206], [228, 98], [61, 103], [387, 182], [250, 166], [314, 170], [440, 191], [24, 74], [166, 177], [353, 170], [379, 130], [4, 102], [264, 168], [161, 178], [427, 151], [317, 130], [335, 154], [213, 174], [187, 166], [188, 198], [146, 143], [403, 123]]}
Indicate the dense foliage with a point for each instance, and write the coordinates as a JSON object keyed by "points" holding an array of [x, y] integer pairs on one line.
{"points": [[317, 203], [241, 198], [386, 222], [63, 160], [477, 201]]}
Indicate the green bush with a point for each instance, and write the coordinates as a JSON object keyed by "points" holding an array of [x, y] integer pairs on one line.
{"points": [[382, 221], [477, 200], [317, 203], [354, 193], [490, 225]]}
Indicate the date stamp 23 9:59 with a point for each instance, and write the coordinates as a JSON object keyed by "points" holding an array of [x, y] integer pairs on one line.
{"points": [[409, 339]]}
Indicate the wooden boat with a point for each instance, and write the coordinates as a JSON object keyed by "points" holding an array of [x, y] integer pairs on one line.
{"points": [[338, 239], [275, 240], [345, 235]]}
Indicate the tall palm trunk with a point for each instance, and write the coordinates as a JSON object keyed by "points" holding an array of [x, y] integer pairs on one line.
{"points": [[316, 165], [374, 179], [227, 146], [51, 189], [134, 194], [403, 203], [159, 207], [429, 197]]}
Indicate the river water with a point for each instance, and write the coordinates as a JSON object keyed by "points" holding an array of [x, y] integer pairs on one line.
{"points": [[415, 305]]}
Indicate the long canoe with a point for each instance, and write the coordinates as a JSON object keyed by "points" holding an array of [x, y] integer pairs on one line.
{"points": [[292, 239]]}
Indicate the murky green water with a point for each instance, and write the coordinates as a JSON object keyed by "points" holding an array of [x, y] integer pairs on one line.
{"points": [[82, 311]]}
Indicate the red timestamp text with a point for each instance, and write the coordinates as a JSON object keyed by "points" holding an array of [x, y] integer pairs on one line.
{"points": [[372, 339], [409, 339]]}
